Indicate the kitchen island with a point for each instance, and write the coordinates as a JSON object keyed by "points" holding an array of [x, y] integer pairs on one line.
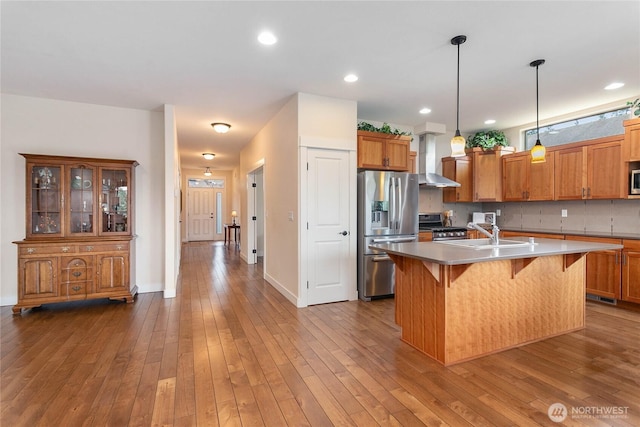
{"points": [[459, 300]]}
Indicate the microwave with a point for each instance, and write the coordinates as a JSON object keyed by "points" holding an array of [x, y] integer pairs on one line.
{"points": [[634, 187]]}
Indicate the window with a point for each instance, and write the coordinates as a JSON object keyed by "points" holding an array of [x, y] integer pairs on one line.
{"points": [[581, 129], [205, 183]]}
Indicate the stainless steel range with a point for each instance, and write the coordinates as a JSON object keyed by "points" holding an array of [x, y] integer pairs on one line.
{"points": [[434, 222]]}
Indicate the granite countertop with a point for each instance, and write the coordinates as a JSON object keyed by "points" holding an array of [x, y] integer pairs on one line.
{"points": [[449, 253]]}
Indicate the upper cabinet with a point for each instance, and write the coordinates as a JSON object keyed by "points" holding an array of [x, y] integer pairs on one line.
{"points": [[592, 170], [526, 181], [459, 169], [487, 174], [632, 140], [71, 197], [379, 151]]}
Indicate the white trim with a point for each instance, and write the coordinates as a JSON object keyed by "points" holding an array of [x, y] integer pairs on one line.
{"points": [[284, 291]]}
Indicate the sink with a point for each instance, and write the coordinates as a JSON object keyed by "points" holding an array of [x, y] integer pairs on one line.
{"points": [[484, 243]]}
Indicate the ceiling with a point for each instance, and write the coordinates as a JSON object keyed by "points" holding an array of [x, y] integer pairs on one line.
{"points": [[203, 57]]}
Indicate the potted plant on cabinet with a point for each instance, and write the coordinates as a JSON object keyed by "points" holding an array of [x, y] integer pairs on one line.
{"points": [[634, 108], [487, 140]]}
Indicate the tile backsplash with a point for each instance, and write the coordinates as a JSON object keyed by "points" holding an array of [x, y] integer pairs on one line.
{"points": [[597, 216]]}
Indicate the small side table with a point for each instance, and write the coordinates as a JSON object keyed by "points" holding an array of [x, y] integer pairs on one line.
{"points": [[227, 233]]}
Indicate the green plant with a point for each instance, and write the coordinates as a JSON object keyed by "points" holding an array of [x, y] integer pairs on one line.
{"points": [[384, 129], [487, 140], [634, 107]]}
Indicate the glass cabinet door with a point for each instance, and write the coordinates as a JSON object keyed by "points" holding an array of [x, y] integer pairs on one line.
{"points": [[81, 200], [45, 200], [114, 201]]}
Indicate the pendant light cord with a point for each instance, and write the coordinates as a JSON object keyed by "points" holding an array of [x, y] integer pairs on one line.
{"points": [[537, 107], [458, 95]]}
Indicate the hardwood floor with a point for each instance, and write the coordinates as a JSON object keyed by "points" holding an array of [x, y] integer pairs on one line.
{"points": [[230, 350]]}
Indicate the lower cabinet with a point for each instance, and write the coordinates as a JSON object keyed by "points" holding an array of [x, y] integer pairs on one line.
{"points": [[631, 271], [55, 272], [425, 236], [603, 269]]}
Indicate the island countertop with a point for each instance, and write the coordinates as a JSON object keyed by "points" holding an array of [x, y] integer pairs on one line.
{"points": [[453, 252]]}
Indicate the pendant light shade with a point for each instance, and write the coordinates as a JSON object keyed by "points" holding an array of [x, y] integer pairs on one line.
{"points": [[538, 152], [207, 172], [458, 142]]}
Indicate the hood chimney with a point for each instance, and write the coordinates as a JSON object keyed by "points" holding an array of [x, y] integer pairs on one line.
{"points": [[427, 157]]}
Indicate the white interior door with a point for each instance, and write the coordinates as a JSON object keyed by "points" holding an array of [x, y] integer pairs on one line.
{"points": [[328, 228], [201, 214]]}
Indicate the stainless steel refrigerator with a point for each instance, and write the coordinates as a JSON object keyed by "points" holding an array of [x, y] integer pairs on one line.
{"points": [[387, 212]]}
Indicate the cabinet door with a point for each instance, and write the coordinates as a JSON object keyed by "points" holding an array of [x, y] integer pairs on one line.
{"points": [[397, 154], [112, 272], [487, 177], [603, 274], [115, 202], [44, 201], [631, 271], [605, 178], [371, 152], [37, 278], [541, 179], [570, 174], [459, 169], [516, 178], [80, 200]]}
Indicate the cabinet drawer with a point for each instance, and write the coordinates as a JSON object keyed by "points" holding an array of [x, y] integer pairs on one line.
{"points": [[104, 247], [76, 269], [74, 289], [47, 249]]}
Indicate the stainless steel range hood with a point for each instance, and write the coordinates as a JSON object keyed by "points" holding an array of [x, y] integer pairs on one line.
{"points": [[427, 163]]}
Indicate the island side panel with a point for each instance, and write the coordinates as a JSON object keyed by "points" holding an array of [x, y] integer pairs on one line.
{"points": [[416, 300]]}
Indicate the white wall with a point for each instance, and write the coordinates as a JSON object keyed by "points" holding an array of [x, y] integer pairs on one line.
{"points": [[45, 126], [277, 145]]}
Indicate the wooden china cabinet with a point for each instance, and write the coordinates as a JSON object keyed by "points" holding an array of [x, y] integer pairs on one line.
{"points": [[79, 230]]}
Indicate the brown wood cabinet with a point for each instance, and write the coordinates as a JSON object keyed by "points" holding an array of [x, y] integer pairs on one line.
{"points": [[459, 169], [591, 171], [632, 140], [425, 236], [604, 273], [631, 271], [79, 230], [523, 180], [487, 174], [380, 151]]}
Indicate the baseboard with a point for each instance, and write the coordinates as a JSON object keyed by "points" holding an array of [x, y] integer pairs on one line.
{"points": [[284, 291]]}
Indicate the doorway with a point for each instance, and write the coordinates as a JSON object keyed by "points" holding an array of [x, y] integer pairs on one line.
{"points": [[205, 205], [255, 216]]}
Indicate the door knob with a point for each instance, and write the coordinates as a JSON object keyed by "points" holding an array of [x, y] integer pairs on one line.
{"points": [[344, 233]]}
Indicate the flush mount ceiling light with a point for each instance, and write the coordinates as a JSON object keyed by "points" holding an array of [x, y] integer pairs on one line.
{"points": [[267, 38], [489, 122], [458, 142], [538, 152], [207, 172], [221, 127], [425, 111], [350, 78], [615, 85], [208, 156]]}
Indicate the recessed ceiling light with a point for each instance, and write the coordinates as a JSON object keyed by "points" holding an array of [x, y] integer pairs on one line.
{"points": [[350, 78], [425, 111], [208, 156], [489, 122], [267, 38], [615, 85]]}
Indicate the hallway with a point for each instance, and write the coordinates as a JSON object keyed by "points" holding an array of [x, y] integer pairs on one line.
{"points": [[230, 350]]}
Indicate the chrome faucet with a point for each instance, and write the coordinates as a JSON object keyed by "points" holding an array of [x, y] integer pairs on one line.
{"points": [[494, 237]]}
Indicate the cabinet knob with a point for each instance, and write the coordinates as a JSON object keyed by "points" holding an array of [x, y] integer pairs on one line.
{"points": [[65, 249], [76, 288], [76, 274]]}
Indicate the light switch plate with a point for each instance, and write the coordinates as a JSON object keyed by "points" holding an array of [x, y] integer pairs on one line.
{"points": [[563, 213]]}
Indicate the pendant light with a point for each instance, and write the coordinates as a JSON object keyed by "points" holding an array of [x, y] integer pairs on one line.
{"points": [[458, 142], [538, 152], [207, 172]]}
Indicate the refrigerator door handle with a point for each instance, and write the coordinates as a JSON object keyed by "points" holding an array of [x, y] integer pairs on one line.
{"points": [[392, 209], [399, 215]]}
